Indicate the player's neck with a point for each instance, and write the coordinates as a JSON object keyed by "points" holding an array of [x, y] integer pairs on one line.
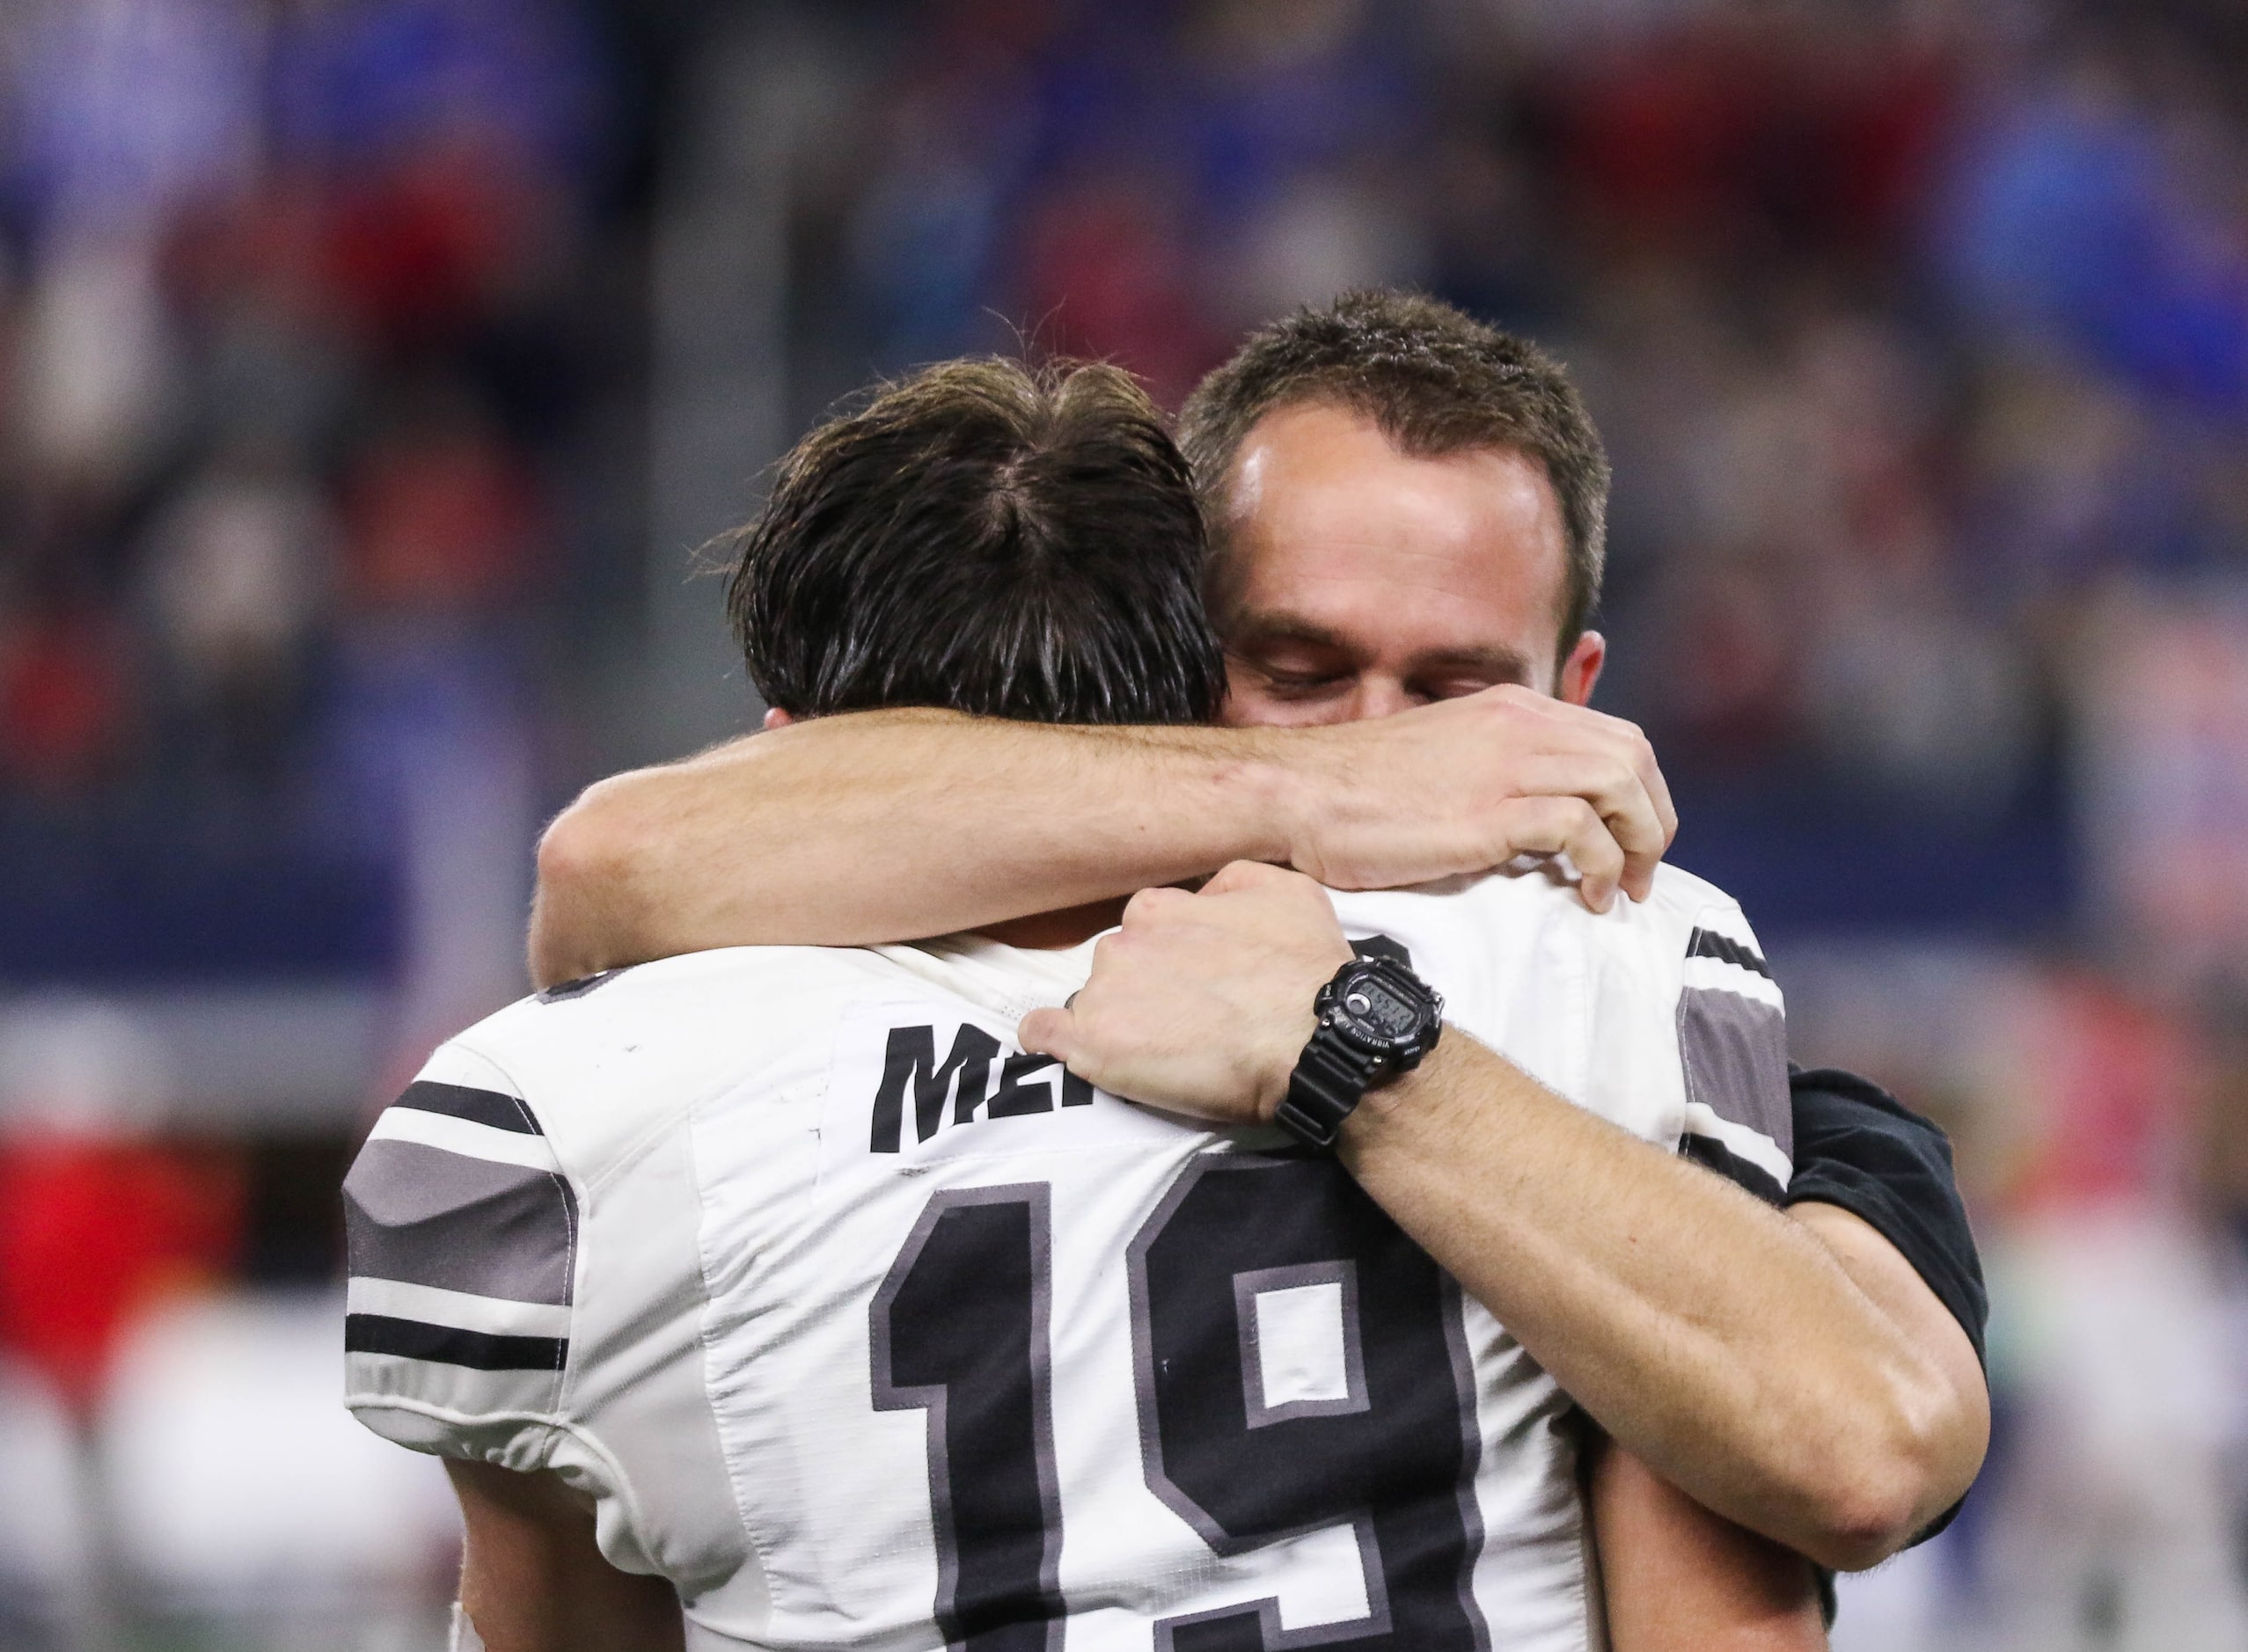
{"points": [[1057, 931]]}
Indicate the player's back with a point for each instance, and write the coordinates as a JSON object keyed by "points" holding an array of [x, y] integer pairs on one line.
{"points": [[867, 1329]]}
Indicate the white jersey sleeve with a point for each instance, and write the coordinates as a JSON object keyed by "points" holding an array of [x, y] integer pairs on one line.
{"points": [[462, 1236], [529, 1294]]}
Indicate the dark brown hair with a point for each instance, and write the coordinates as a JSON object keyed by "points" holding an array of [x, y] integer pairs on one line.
{"points": [[1436, 381], [982, 536]]}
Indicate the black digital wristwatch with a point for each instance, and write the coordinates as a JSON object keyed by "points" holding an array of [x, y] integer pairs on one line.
{"points": [[1376, 1019]]}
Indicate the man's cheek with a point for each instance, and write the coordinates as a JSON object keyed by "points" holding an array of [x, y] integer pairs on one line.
{"points": [[1243, 708]]}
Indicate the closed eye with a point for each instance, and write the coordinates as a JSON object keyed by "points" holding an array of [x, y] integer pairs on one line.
{"points": [[1453, 688], [1301, 684]]}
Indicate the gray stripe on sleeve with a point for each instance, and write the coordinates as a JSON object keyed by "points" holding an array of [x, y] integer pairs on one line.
{"points": [[430, 1217], [1736, 1054]]}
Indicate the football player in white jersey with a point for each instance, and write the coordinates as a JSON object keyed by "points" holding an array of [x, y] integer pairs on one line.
{"points": [[791, 1281], [1405, 508]]}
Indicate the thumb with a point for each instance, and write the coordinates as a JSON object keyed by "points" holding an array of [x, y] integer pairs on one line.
{"points": [[1247, 874], [1048, 1033]]}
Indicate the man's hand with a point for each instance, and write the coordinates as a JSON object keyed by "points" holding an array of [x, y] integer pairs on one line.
{"points": [[1465, 785], [1202, 1003]]}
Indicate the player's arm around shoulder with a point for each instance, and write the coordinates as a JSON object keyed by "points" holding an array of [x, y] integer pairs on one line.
{"points": [[766, 840], [464, 1236]]}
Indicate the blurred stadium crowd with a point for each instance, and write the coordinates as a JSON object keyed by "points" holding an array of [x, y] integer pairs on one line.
{"points": [[340, 541]]}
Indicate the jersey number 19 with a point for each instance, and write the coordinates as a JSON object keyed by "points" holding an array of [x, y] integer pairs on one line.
{"points": [[960, 1330]]}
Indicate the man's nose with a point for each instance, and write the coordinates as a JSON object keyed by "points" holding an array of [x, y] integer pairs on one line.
{"points": [[1378, 696]]}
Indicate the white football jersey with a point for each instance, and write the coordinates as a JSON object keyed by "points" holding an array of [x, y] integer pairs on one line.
{"points": [[866, 1329]]}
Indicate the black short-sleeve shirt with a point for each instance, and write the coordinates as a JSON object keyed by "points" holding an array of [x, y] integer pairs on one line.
{"points": [[1858, 1147]]}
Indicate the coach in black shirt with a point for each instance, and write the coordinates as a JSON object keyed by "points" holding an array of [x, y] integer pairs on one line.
{"points": [[1406, 515]]}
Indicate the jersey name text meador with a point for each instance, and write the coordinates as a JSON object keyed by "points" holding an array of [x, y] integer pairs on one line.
{"points": [[910, 1062]]}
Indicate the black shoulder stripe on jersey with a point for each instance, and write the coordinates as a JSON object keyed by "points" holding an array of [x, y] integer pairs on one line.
{"points": [[1711, 1154], [583, 984], [425, 1216], [477, 1107], [1706, 943], [447, 1345]]}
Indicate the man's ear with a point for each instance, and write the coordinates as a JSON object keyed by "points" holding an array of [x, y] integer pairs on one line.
{"points": [[777, 719], [1582, 670]]}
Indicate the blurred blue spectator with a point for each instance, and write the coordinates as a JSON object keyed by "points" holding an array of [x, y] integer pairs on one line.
{"points": [[2074, 214], [518, 82]]}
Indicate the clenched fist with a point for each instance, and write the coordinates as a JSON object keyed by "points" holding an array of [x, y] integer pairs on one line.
{"points": [[1462, 785]]}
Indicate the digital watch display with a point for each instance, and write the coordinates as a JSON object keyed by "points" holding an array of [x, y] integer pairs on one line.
{"points": [[1376, 1019]]}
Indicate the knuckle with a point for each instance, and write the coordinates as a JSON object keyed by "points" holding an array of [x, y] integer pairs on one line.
{"points": [[1532, 815], [1146, 906], [1539, 826], [1092, 1012]]}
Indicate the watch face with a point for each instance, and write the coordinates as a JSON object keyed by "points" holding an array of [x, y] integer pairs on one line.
{"points": [[1381, 1011]]}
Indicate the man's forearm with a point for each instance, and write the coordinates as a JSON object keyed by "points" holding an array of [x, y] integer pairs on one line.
{"points": [[888, 825], [1711, 1335], [885, 826], [1676, 1578]]}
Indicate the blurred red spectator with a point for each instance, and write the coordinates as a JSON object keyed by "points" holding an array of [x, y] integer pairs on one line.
{"points": [[441, 514], [65, 700], [91, 1232], [1106, 273], [416, 253], [2108, 1085], [1689, 142]]}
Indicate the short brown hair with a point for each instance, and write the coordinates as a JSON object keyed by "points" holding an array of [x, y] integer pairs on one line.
{"points": [[1436, 381], [998, 539]]}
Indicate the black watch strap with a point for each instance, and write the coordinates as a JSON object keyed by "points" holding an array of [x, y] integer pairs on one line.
{"points": [[1329, 1080]]}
